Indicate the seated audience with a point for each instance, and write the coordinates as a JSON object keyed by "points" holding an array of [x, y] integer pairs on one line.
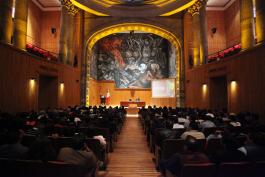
{"points": [[234, 122], [80, 155], [254, 149], [193, 131], [230, 153], [13, 149], [207, 122], [42, 149], [217, 134], [191, 156]]}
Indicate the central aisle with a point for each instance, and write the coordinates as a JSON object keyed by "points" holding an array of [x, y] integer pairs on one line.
{"points": [[131, 156]]}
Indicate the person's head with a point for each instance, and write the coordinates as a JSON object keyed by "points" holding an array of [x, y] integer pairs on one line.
{"points": [[230, 142], [192, 144], [14, 136], [42, 149], [232, 117], [194, 125], [78, 141]]}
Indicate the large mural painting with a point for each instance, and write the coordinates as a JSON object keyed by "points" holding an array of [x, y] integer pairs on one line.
{"points": [[131, 60]]}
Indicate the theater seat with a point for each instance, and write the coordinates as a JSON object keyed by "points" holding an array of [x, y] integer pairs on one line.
{"points": [[213, 145], [196, 170], [258, 170], [57, 169], [233, 169], [30, 168]]}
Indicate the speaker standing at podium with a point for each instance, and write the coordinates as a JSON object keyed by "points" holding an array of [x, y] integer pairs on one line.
{"points": [[102, 99]]}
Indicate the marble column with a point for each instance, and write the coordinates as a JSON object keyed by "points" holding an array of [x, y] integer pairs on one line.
{"points": [[246, 24], [6, 20], [200, 49], [67, 32], [196, 39], [260, 21], [20, 24], [203, 33], [70, 40], [63, 35]]}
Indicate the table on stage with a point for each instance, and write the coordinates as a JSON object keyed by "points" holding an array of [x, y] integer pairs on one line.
{"points": [[128, 103]]}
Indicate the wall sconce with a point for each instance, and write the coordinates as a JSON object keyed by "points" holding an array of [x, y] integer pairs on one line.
{"points": [[61, 88], [62, 85], [233, 86], [204, 89], [32, 83]]}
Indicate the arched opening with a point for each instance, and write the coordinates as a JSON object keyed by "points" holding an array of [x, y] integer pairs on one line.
{"points": [[147, 28]]}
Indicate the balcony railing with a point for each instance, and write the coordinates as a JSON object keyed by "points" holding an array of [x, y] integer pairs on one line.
{"points": [[224, 53], [41, 52]]}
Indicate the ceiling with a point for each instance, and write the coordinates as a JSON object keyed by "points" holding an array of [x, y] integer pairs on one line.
{"points": [[48, 5], [219, 4], [132, 7]]}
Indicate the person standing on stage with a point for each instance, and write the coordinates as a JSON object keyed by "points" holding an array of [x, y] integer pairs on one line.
{"points": [[108, 97]]}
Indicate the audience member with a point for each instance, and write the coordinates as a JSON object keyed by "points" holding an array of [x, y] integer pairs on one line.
{"points": [[254, 149], [191, 156], [42, 149], [230, 153], [80, 155], [193, 131], [13, 149]]}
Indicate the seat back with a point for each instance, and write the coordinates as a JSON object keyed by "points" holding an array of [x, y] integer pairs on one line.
{"points": [[27, 140], [61, 142], [213, 145], [208, 131], [56, 169], [98, 150], [232, 169], [202, 144], [20, 168], [199, 170], [172, 146], [259, 169], [32, 168]]}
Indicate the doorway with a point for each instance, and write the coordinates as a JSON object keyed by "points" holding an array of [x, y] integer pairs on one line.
{"points": [[48, 92], [218, 93]]}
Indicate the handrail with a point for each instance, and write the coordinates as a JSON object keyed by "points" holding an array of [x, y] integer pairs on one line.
{"points": [[224, 53], [35, 50]]}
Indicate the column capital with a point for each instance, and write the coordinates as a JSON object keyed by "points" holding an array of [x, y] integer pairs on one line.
{"points": [[195, 8], [72, 9]]}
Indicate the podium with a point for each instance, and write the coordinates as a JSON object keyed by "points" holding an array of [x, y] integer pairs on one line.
{"points": [[128, 103], [102, 100], [132, 107]]}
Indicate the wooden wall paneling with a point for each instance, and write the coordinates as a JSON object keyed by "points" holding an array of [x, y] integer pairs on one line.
{"points": [[217, 40], [18, 67], [232, 24], [98, 88], [49, 41], [34, 24], [246, 68]]}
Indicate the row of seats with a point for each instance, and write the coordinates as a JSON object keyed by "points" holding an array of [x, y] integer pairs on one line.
{"points": [[29, 168], [58, 143], [235, 169]]}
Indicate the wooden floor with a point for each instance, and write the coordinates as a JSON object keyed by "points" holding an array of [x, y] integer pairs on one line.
{"points": [[131, 156]]}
